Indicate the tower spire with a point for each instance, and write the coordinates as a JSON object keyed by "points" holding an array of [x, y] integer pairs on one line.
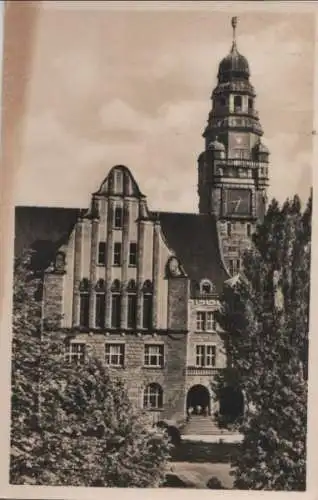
{"points": [[234, 24]]}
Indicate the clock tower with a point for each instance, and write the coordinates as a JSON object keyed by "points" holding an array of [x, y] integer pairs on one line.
{"points": [[233, 168]]}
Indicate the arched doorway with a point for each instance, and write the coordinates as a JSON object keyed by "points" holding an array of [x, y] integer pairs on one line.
{"points": [[231, 404], [198, 400]]}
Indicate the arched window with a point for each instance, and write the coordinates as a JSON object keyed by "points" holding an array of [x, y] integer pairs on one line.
{"points": [[84, 302], [116, 304], [147, 305], [100, 304], [153, 397], [132, 304]]}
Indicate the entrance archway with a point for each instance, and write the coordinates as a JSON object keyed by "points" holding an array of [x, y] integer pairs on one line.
{"points": [[231, 404], [198, 399]]}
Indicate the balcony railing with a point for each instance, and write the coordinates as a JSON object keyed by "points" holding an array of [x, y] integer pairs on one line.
{"points": [[238, 110], [202, 370]]}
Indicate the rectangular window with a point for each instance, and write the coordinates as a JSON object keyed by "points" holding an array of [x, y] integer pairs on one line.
{"points": [[116, 310], [200, 320], [229, 229], [118, 218], [248, 230], [100, 310], [117, 254], [238, 265], [231, 266], [133, 254], [115, 354], [132, 311], [118, 181], [205, 355], [154, 355], [101, 253], [75, 353], [84, 309], [147, 312], [205, 321]]}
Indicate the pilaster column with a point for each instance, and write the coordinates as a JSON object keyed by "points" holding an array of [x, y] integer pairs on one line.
{"points": [[156, 270], [77, 270], [92, 272], [109, 261], [124, 264], [140, 271]]}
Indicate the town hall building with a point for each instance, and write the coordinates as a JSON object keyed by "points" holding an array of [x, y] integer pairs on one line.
{"points": [[140, 288]]}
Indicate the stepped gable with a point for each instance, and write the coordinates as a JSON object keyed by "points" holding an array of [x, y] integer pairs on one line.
{"points": [[195, 241]]}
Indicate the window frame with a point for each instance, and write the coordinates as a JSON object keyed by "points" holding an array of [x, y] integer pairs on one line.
{"points": [[119, 356], [160, 355], [207, 354], [133, 262], [116, 319], [118, 220], [153, 392], [205, 321], [76, 355], [116, 253]]}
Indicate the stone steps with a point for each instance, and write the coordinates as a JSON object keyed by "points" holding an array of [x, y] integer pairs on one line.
{"points": [[203, 426]]}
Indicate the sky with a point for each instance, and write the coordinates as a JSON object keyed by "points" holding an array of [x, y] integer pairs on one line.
{"points": [[132, 87]]}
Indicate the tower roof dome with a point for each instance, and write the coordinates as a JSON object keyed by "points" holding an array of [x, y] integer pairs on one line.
{"points": [[234, 66]]}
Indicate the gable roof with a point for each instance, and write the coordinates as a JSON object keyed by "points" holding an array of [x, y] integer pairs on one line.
{"points": [[42, 228], [194, 239]]}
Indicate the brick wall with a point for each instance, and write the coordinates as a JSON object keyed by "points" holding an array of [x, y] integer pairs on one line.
{"points": [[178, 295]]}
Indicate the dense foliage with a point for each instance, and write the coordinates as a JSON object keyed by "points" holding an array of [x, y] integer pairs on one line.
{"points": [[266, 312], [73, 424]]}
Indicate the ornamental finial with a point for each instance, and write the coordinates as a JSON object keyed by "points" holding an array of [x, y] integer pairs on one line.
{"points": [[234, 24]]}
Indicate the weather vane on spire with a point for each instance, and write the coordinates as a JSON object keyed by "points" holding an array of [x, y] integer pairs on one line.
{"points": [[234, 24]]}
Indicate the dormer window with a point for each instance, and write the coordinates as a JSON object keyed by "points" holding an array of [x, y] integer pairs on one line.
{"points": [[206, 287]]}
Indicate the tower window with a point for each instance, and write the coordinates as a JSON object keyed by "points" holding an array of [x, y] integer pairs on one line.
{"points": [[250, 104], [117, 254], [229, 229], [101, 252], [248, 230], [237, 102], [118, 218], [133, 254]]}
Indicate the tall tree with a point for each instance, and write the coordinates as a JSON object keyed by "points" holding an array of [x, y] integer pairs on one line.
{"points": [[72, 424], [266, 316]]}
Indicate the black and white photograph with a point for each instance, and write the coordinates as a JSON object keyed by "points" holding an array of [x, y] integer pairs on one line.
{"points": [[157, 158]]}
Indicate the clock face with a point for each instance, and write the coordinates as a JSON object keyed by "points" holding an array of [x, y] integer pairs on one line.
{"points": [[238, 201]]}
